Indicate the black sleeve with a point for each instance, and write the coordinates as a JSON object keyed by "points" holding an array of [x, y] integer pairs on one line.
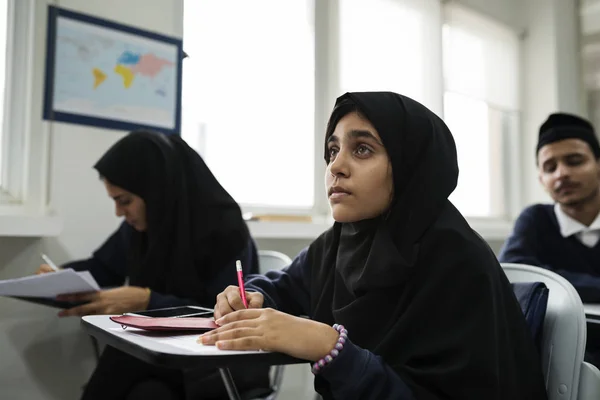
{"points": [[522, 248], [225, 276], [286, 290], [359, 374]]}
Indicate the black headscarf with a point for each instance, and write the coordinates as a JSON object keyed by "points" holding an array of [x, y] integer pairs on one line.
{"points": [[417, 285], [194, 227]]}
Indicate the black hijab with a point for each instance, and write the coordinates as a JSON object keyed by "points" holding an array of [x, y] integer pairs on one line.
{"points": [[194, 227], [417, 286]]}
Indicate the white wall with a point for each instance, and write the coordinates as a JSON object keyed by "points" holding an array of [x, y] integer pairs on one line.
{"points": [[43, 357]]}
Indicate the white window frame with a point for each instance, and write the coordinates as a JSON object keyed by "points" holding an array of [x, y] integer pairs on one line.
{"points": [[327, 89], [24, 209], [500, 227]]}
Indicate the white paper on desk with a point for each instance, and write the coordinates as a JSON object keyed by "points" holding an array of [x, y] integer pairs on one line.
{"points": [[49, 285], [185, 341]]}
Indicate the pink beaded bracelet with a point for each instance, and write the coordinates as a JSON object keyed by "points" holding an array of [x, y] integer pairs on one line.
{"points": [[339, 346]]}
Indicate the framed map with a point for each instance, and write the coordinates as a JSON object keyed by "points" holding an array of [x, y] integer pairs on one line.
{"points": [[110, 75]]}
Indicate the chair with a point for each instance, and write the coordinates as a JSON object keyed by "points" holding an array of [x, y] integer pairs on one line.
{"points": [[269, 260], [533, 299], [567, 376]]}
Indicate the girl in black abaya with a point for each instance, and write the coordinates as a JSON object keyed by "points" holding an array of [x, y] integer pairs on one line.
{"points": [[178, 245], [428, 310]]}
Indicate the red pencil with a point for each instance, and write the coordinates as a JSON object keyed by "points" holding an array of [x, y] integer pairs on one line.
{"points": [[240, 275]]}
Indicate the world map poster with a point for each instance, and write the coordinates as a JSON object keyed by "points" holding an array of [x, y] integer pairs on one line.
{"points": [[111, 75]]}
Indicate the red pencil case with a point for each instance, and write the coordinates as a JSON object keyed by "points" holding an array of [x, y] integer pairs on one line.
{"points": [[166, 324]]}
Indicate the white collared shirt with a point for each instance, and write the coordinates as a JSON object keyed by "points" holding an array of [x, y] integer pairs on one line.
{"points": [[588, 235]]}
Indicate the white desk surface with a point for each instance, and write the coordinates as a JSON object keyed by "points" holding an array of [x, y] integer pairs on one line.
{"points": [[169, 349], [592, 309], [160, 342]]}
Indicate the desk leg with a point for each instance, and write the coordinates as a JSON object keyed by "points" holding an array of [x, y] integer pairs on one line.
{"points": [[96, 348], [229, 384]]}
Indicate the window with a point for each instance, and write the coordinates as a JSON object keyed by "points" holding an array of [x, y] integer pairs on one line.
{"points": [[24, 149], [14, 50], [250, 107], [248, 104], [258, 90], [391, 45], [481, 108]]}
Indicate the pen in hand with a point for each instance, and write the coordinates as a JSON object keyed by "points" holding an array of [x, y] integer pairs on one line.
{"points": [[48, 261], [240, 276]]}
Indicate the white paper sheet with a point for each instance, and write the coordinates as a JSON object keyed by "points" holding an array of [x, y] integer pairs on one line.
{"points": [[186, 342], [49, 285]]}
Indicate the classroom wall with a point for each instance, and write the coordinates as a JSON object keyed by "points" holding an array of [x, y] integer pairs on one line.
{"points": [[43, 357]]}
